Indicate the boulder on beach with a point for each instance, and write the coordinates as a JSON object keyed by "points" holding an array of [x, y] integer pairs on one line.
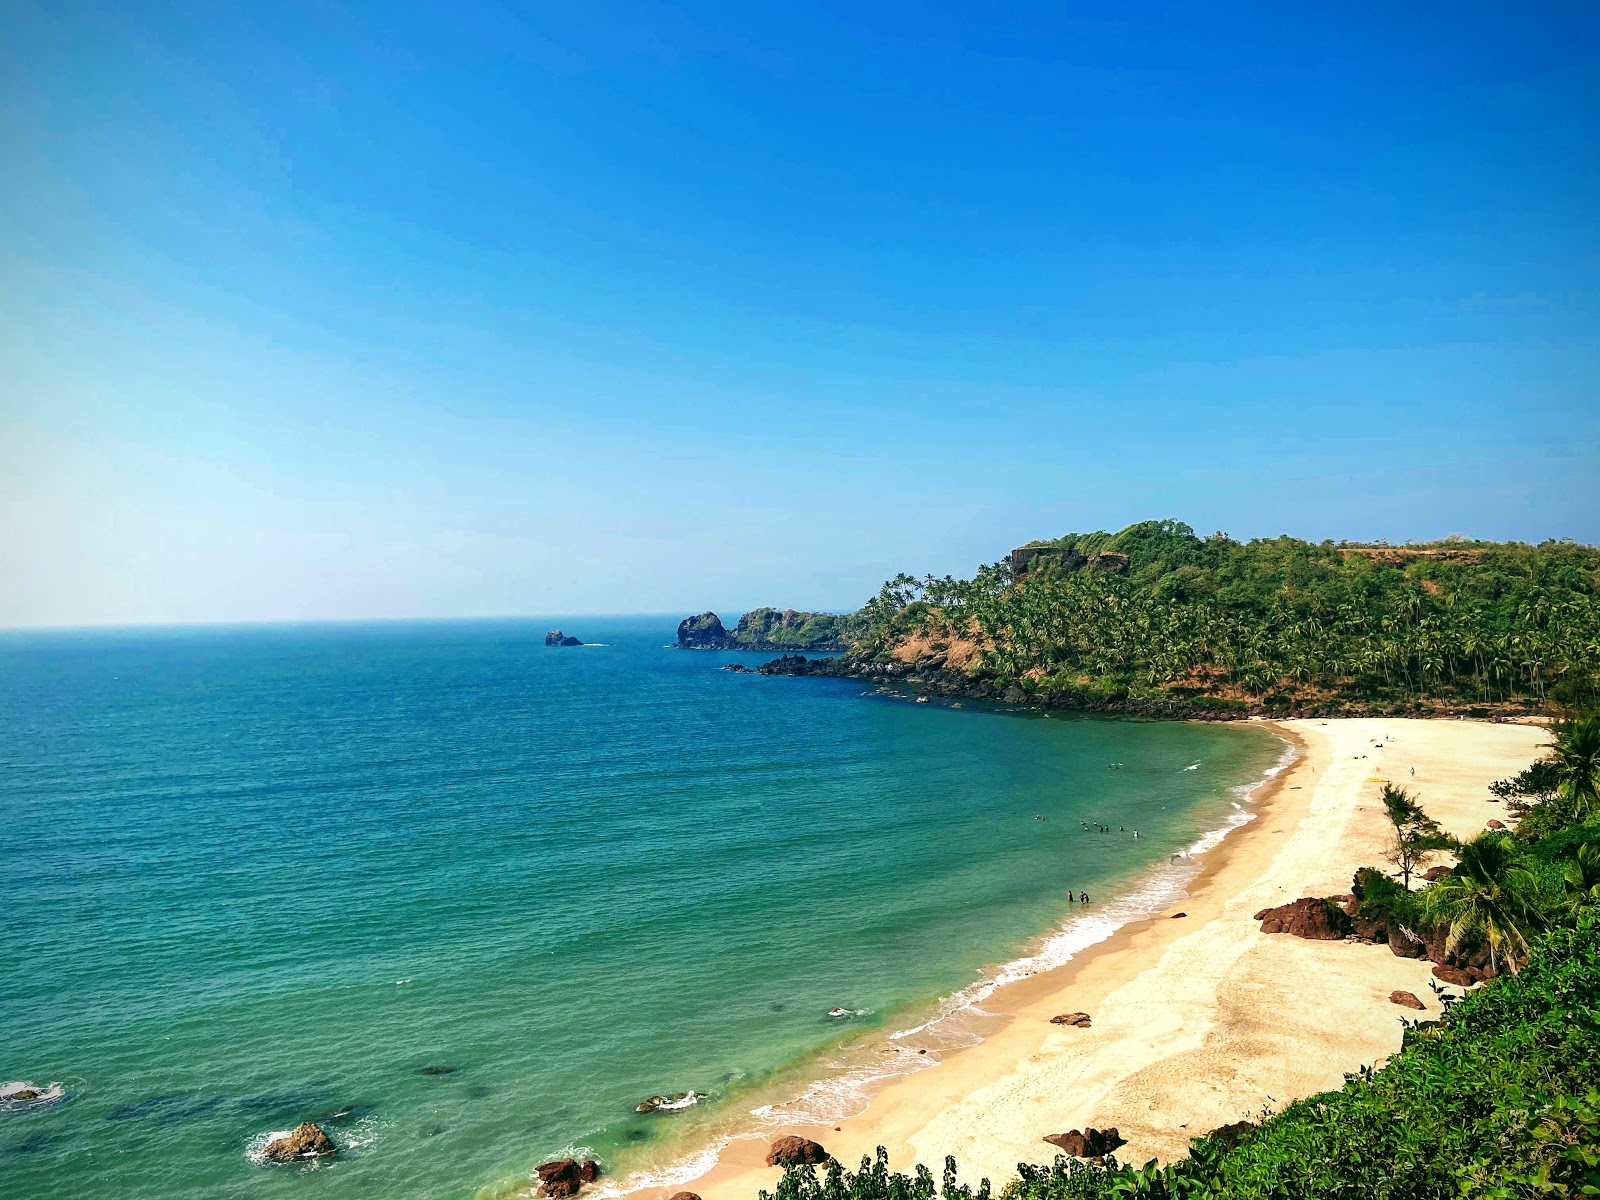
{"points": [[1459, 976], [1493, 824], [684, 1196], [1087, 1143], [563, 1177], [1079, 1020], [306, 1141], [1309, 917], [1406, 1000], [795, 1152], [1434, 874], [1229, 1136]]}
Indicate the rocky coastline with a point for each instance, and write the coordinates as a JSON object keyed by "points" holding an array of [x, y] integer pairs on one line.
{"points": [[815, 632], [931, 679]]}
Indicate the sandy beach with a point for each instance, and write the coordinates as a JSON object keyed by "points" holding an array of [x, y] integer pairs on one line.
{"points": [[1198, 1019]]}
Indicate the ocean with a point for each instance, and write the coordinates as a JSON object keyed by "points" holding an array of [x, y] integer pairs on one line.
{"points": [[466, 900]]}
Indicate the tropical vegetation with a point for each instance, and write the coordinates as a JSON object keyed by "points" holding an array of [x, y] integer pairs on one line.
{"points": [[1155, 613]]}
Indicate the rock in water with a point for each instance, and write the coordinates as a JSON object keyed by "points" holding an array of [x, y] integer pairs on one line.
{"points": [[563, 1177], [704, 632], [1310, 917], [795, 1152], [1080, 1020], [1088, 1143], [1406, 1000], [306, 1140], [556, 638]]}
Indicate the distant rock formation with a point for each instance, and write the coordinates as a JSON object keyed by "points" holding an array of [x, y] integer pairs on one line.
{"points": [[795, 1152], [704, 632], [563, 1177], [766, 629], [306, 1140], [556, 638]]}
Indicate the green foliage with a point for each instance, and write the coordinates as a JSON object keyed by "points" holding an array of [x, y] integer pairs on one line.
{"points": [[1315, 626], [1491, 896], [1416, 835], [790, 630]]}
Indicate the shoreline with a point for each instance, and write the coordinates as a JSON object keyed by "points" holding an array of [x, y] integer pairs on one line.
{"points": [[1187, 1016]]}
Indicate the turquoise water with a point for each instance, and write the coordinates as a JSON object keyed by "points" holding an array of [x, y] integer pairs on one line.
{"points": [[255, 876]]}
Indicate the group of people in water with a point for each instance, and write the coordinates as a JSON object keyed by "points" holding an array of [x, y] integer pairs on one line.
{"points": [[1099, 828]]}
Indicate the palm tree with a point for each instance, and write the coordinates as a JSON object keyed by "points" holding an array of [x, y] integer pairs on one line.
{"points": [[1489, 895], [1582, 877], [1576, 753]]}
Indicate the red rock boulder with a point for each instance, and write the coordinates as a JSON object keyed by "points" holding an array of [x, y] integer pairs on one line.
{"points": [[795, 1152], [1406, 1000], [307, 1141], [1080, 1020], [564, 1177], [1310, 917], [1087, 1143]]}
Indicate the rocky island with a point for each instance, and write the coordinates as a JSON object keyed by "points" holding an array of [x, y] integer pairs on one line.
{"points": [[556, 638], [769, 629]]}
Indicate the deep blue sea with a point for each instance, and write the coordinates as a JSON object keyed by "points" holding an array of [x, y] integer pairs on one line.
{"points": [[466, 900]]}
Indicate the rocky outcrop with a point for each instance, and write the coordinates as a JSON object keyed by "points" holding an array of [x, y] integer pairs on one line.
{"points": [[556, 638], [307, 1141], [795, 1152], [1087, 1143], [1309, 917], [564, 1177], [1406, 1000], [1459, 976], [766, 629], [704, 632], [1078, 1020]]}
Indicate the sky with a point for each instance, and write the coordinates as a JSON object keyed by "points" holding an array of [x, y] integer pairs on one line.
{"points": [[371, 310]]}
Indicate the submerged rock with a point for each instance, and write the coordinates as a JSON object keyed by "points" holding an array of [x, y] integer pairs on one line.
{"points": [[1088, 1143], [563, 1177], [795, 1152], [672, 1103], [306, 1141]]}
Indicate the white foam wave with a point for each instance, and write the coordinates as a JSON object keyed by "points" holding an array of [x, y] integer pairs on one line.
{"points": [[11, 1094]]}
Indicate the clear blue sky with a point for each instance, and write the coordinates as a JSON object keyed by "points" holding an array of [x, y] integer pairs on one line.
{"points": [[345, 310]]}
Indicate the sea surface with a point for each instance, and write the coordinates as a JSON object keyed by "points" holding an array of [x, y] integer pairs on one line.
{"points": [[466, 900]]}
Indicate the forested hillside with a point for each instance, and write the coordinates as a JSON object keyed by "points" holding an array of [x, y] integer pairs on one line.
{"points": [[1155, 613]]}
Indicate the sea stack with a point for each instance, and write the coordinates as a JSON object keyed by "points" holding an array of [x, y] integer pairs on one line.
{"points": [[556, 638]]}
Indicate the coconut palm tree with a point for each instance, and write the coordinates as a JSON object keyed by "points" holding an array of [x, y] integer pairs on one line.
{"points": [[1576, 753], [1489, 895], [1581, 879]]}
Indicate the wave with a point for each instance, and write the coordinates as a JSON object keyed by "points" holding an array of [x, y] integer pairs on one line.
{"points": [[14, 1097]]}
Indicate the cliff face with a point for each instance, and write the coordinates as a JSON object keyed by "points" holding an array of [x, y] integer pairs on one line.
{"points": [[766, 629]]}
